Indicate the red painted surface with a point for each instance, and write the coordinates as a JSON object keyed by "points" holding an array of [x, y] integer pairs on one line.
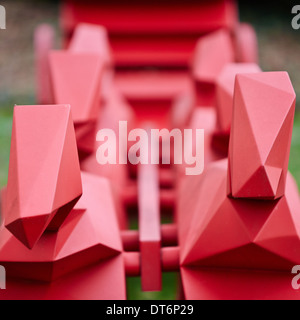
{"points": [[143, 34], [244, 247], [234, 231], [149, 227]]}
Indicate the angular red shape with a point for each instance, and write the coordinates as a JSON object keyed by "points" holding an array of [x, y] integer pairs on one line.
{"points": [[264, 107], [243, 223], [246, 44], [44, 181], [225, 91], [92, 39], [208, 62], [88, 235], [237, 284], [243, 246], [76, 78], [221, 235], [83, 284]]}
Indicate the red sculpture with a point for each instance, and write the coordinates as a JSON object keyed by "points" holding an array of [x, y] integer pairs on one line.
{"points": [[43, 164], [70, 236], [76, 78], [225, 92], [147, 34], [235, 240], [208, 62], [234, 230], [263, 118]]}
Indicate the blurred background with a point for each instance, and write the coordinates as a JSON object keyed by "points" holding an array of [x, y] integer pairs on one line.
{"points": [[279, 50]]}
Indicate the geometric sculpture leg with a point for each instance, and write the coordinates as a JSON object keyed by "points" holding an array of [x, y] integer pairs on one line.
{"points": [[208, 62], [235, 239], [44, 181], [246, 44], [264, 107], [76, 80], [82, 255], [225, 92]]}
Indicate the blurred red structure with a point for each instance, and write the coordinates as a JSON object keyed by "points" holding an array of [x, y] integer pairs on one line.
{"points": [[148, 34], [65, 230]]}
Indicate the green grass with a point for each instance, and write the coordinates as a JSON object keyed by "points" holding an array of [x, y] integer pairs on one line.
{"points": [[5, 136], [169, 290], [294, 165]]}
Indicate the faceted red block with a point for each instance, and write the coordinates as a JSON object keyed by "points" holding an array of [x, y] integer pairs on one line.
{"points": [[224, 235], [243, 248], [225, 92], [44, 181], [237, 284], [76, 78], [93, 39], [255, 234], [88, 237], [90, 38], [212, 53], [246, 44], [264, 107]]}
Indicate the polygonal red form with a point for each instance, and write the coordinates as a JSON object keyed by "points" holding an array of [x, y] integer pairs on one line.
{"points": [[225, 91], [246, 44], [255, 234], [93, 39], [222, 235], [76, 78], [212, 53], [83, 284], [88, 38], [237, 284], [264, 107], [88, 235], [44, 181], [227, 240]]}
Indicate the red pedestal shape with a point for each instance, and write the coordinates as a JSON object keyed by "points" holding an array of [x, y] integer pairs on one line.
{"points": [[243, 247]]}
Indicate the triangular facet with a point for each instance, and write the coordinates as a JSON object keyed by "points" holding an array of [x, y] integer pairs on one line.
{"points": [[29, 230]]}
